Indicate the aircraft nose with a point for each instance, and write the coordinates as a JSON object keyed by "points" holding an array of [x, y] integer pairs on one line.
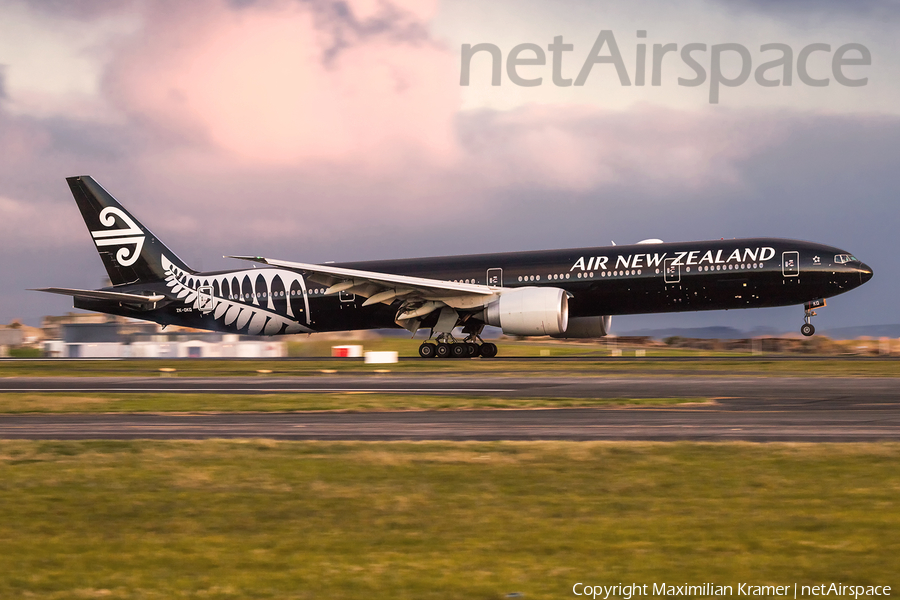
{"points": [[865, 273]]}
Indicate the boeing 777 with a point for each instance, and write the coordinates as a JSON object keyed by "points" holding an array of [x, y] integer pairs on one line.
{"points": [[560, 293]]}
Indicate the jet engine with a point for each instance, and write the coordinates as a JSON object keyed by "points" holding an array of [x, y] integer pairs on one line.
{"points": [[529, 311], [586, 327]]}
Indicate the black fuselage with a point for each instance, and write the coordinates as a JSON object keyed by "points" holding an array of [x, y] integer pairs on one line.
{"points": [[616, 280]]}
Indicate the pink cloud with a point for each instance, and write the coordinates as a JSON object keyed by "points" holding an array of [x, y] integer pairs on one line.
{"points": [[361, 104], [273, 85], [282, 116]]}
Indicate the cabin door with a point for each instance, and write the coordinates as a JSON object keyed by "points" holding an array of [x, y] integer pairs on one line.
{"points": [[205, 299], [672, 271], [495, 277], [790, 264]]}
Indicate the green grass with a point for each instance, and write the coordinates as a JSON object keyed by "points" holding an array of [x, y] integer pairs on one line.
{"points": [[25, 353], [59, 402], [642, 367], [255, 519]]}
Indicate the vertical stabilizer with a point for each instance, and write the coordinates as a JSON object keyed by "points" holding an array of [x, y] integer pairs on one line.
{"points": [[130, 252]]}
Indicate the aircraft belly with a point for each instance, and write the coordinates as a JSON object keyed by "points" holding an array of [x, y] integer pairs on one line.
{"points": [[329, 314], [693, 292]]}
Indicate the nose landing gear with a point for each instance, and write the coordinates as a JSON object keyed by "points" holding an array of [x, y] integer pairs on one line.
{"points": [[807, 328]]}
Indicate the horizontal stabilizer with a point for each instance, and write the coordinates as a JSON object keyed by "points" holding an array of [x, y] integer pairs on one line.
{"points": [[101, 295]]}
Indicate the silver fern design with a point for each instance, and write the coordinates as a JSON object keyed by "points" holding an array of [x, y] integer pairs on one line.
{"points": [[264, 301]]}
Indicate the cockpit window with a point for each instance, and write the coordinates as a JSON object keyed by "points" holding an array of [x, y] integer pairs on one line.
{"points": [[844, 258]]}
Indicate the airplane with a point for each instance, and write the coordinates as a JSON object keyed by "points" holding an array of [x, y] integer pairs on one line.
{"points": [[571, 293]]}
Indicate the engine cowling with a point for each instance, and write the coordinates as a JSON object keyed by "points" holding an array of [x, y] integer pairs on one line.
{"points": [[586, 327], [530, 311]]}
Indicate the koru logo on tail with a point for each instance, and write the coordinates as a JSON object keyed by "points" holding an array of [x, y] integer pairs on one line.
{"points": [[130, 235]]}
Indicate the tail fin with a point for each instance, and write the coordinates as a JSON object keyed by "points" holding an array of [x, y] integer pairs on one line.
{"points": [[130, 252]]}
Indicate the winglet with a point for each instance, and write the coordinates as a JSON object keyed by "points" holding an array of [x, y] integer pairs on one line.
{"points": [[258, 259]]}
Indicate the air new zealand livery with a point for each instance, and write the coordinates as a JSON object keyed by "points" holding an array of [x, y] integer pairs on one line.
{"points": [[560, 293]]}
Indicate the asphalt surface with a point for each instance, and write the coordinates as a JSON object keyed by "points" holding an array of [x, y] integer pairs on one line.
{"points": [[783, 389], [753, 409]]}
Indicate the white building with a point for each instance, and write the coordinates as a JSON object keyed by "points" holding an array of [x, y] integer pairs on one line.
{"points": [[103, 340], [226, 346]]}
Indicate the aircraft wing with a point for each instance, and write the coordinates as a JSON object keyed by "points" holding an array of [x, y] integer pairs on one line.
{"points": [[385, 287], [102, 295]]}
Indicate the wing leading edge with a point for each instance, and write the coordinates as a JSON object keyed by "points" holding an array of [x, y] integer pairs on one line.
{"points": [[344, 276]]}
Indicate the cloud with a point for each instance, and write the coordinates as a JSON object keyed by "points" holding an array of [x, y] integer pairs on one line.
{"points": [[25, 223], [278, 83], [306, 105], [82, 10], [579, 148], [815, 9]]}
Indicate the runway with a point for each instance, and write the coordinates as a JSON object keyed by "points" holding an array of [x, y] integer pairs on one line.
{"points": [[721, 422], [812, 390], [752, 409]]}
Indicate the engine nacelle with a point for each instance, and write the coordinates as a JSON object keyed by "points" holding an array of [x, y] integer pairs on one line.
{"points": [[586, 327], [530, 311]]}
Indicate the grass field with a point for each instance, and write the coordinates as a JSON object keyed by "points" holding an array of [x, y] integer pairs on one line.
{"points": [[259, 519], [359, 401], [644, 367]]}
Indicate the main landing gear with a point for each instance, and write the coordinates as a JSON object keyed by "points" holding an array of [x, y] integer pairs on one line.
{"points": [[807, 328], [446, 346]]}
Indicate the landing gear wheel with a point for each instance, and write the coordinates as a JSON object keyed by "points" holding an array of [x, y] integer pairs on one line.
{"points": [[443, 350], [427, 350], [808, 313], [459, 350], [473, 349], [488, 350]]}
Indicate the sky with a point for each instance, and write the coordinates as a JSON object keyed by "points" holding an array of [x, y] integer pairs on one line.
{"points": [[315, 131]]}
